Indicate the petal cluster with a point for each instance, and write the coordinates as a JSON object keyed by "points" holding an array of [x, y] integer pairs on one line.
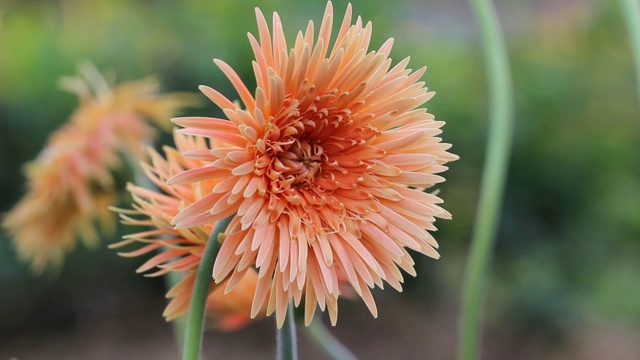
{"points": [[70, 184], [180, 250], [324, 167]]}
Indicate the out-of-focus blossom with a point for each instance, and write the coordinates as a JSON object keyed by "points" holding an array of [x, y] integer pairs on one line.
{"points": [[325, 169], [232, 311], [70, 184], [180, 250]]}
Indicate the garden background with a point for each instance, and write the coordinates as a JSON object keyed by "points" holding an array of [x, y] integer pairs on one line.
{"points": [[564, 281]]}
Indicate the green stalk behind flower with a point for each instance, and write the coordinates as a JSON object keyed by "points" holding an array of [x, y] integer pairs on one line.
{"points": [[319, 333], [493, 178], [286, 337]]}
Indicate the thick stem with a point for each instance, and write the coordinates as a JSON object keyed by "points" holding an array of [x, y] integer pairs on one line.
{"points": [[319, 333], [493, 178], [286, 337], [195, 320]]}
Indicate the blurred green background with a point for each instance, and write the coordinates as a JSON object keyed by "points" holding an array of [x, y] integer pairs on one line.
{"points": [[565, 282]]}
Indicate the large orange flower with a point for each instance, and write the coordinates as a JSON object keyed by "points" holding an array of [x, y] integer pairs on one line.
{"points": [[325, 169], [70, 183]]}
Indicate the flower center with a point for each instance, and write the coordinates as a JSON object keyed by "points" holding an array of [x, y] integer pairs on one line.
{"points": [[299, 164], [297, 145]]}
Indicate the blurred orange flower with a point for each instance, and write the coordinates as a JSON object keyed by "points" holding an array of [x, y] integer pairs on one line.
{"points": [[232, 311], [70, 184], [325, 169]]}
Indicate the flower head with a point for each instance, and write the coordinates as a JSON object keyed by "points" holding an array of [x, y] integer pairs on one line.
{"points": [[180, 250], [325, 169], [70, 183]]}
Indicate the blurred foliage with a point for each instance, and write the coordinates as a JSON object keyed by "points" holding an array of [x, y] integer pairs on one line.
{"points": [[568, 245]]}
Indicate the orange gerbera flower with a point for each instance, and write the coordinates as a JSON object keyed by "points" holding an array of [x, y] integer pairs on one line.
{"points": [[324, 169], [70, 183], [181, 249]]}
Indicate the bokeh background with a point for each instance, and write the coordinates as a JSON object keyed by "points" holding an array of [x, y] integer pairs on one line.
{"points": [[565, 281]]}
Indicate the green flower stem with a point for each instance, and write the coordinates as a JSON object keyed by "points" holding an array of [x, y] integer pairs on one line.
{"points": [[493, 178], [286, 337], [319, 333], [631, 11], [195, 320]]}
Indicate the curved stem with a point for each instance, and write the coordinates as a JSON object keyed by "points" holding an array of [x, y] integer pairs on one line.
{"points": [[493, 177], [631, 11], [195, 320], [286, 337], [319, 333]]}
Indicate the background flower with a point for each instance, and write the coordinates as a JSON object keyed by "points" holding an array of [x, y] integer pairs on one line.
{"points": [[71, 184], [179, 250], [232, 311]]}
